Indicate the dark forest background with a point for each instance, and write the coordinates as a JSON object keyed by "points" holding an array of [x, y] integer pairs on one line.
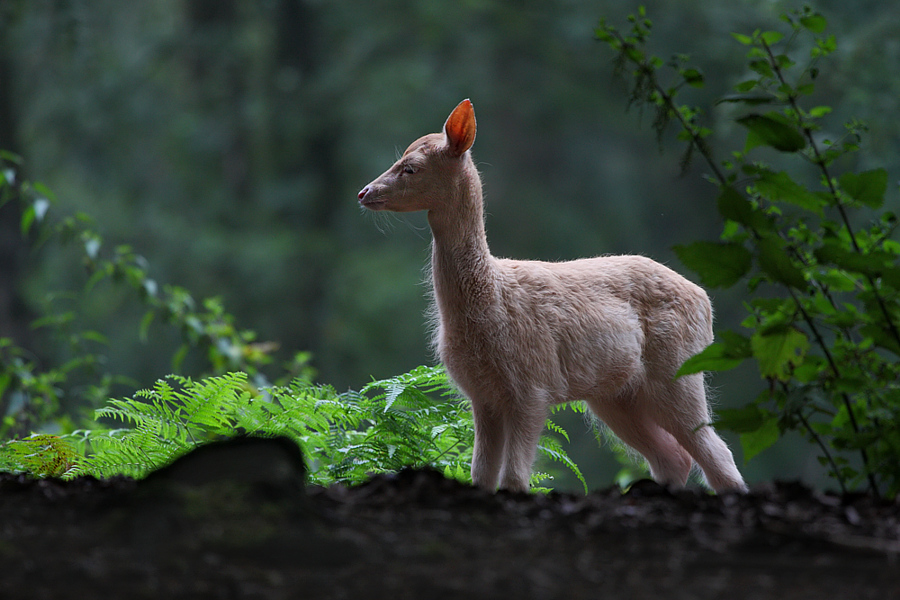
{"points": [[225, 141]]}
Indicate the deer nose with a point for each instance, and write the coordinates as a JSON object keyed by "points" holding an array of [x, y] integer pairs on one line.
{"points": [[363, 192]]}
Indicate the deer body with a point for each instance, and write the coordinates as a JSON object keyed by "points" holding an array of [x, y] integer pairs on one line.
{"points": [[518, 336]]}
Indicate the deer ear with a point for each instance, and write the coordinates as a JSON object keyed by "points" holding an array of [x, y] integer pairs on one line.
{"points": [[460, 128]]}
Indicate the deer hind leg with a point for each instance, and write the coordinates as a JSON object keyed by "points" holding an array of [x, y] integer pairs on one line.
{"points": [[629, 420], [681, 410]]}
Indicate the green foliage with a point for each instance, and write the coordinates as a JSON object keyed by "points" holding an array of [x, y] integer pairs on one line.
{"points": [[394, 423], [810, 239], [33, 392], [52, 455], [413, 420]]}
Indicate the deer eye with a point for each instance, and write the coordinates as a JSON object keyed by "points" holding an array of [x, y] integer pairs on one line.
{"points": [[409, 169]]}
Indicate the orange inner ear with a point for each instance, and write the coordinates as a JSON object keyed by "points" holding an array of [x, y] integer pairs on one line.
{"points": [[460, 127]]}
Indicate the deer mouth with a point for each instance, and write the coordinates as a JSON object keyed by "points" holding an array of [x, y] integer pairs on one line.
{"points": [[369, 200], [373, 203]]}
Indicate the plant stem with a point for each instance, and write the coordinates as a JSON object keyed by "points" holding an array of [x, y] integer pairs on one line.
{"points": [[824, 448], [832, 190], [668, 104], [845, 398]]}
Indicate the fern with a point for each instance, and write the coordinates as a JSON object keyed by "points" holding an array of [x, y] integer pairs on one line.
{"points": [[166, 423], [551, 448], [633, 465], [412, 420], [40, 453], [403, 426]]}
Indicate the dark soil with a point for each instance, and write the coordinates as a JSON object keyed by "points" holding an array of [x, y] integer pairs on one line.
{"points": [[236, 523]]}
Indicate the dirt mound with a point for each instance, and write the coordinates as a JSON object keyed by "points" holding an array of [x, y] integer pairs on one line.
{"points": [[257, 533]]}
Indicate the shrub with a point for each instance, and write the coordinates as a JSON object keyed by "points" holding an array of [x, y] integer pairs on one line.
{"points": [[812, 243]]}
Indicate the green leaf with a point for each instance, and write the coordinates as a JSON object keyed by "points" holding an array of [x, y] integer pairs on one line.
{"points": [[772, 37], [874, 263], [772, 130], [746, 40], [779, 187], [750, 98], [5, 380], [43, 190], [815, 23], [882, 336], [693, 77], [746, 86], [95, 336], [713, 358], [11, 157], [727, 354], [778, 350], [775, 262], [868, 187], [719, 264], [28, 216], [762, 67], [764, 437], [740, 420], [735, 207]]}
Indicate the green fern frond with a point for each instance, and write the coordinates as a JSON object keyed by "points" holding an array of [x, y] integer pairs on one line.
{"points": [[39, 454], [415, 419], [557, 429], [552, 449]]}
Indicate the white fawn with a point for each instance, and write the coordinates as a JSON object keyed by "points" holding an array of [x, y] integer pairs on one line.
{"points": [[518, 336]]}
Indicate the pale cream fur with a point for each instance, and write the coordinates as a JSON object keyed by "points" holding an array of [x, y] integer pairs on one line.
{"points": [[518, 336]]}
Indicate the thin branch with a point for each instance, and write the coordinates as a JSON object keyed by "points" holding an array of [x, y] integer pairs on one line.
{"points": [[832, 190], [824, 448], [648, 74], [845, 397]]}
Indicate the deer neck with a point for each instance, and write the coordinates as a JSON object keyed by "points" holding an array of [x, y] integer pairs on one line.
{"points": [[463, 270]]}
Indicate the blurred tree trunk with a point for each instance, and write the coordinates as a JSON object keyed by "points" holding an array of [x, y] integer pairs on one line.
{"points": [[305, 145], [14, 315], [299, 49], [216, 24]]}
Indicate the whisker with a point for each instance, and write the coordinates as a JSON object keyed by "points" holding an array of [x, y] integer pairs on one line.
{"points": [[418, 230]]}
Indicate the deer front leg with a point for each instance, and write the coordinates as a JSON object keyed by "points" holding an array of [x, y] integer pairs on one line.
{"points": [[487, 455], [523, 431]]}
